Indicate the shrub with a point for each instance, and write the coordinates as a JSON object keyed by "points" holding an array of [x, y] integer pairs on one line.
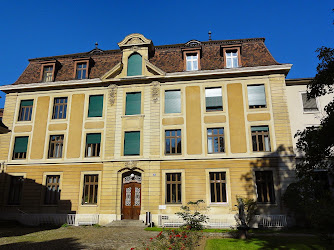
{"points": [[193, 220], [248, 208]]}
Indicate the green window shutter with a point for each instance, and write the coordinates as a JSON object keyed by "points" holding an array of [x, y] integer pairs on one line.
{"points": [[133, 103], [21, 144], [25, 103], [95, 106], [132, 143], [134, 65], [260, 128], [173, 101], [93, 138]]}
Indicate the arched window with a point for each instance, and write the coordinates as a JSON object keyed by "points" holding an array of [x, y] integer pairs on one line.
{"points": [[134, 65]]}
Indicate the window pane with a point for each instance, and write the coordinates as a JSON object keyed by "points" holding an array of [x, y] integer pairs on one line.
{"points": [[95, 106], [310, 104], [173, 101], [132, 143], [256, 96], [133, 103], [134, 65]]}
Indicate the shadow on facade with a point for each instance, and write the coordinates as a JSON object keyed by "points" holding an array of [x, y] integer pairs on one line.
{"points": [[66, 243], [23, 200], [281, 163]]}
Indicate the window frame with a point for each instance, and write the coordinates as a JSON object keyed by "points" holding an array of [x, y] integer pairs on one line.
{"points": [[26, 153], [228, 188], [257, 107], [218, 181], [257, 139], [140, 105], [312, 111], [79, 61], [273, 186], [56, 198], [83, 188], [215, 135], [205, 93], [48, 64], [185, 52], [65, 111], [142, 64], [25, 107], [171, 138], [164, 104], [62, 147], [140, 143], [88, 99], [99, 147], [15, 175], [236, 47]]}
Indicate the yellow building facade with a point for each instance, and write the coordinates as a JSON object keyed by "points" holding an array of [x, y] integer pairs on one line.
{"points": [[158, 127]]}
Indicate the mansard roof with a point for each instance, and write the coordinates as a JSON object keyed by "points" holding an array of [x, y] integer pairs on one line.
{"points": [[168, 58]]}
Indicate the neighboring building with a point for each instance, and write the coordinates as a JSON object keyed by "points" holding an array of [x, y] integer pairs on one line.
{"points": [[3, 127], [303, 112], [146, 129]]}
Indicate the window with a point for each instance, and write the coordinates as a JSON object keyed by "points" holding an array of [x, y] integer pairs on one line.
{"points": [[47, 73], [309, 105], [256, 96], [134, 65], [265, 186], [216, 140], [95, 108], [56, 146], [173, 188], [192, 61], [132, 143], [260, 138], [172, 101], [90, 189], [93, 145], [59, 108], [218, 187], [20, 148], [231, 58], [81, 70], [133, 103], [52, 192], [173, 142], [15, 190], [213, 99], [25, 110]]}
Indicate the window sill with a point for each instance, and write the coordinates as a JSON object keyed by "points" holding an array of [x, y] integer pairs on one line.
{"points": [[311, 112], [24, 121], [173, 205], [223, 204], [89, 205], [139, 115]]}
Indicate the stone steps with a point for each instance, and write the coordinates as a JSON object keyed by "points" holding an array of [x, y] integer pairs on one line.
{"points": [[127, 223]]}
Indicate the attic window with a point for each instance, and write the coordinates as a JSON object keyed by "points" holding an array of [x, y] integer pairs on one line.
{"points": [[232, 57], [134, 65], [81, 69], [191, 58], [47, 72]]}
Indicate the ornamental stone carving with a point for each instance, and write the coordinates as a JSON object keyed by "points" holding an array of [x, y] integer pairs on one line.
{"points": [[155, 91], [112, 90]]}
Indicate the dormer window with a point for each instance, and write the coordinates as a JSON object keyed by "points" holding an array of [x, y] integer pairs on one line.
{"points": [[134, 65], [48, 71], [232, 57], [192, 61], [81, 69]]}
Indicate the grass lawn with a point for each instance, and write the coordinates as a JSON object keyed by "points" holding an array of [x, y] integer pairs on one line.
{"points": [[208, 230], [268, 242]]}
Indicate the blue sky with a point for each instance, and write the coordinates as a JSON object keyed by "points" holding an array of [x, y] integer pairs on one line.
{"points": [[30, 29]]}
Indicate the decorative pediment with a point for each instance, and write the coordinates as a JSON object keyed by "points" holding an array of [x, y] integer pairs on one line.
{"points": [[135, 39], [193, 43]]}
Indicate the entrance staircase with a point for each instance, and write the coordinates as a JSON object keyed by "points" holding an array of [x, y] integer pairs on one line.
{"points": [[127, 223]]}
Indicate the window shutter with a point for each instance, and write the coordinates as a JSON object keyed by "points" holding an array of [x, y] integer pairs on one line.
{"points": [[260, 128], [132, 143], [21, 144], [134, 65], [133, 104], [256, 95], [309, 105], [93, 138], [173, 101], [95, 106], [213, 98], [27, 103]]}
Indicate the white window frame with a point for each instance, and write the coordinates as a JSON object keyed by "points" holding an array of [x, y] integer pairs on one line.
{"points": [[193, 59], [229, 57]]}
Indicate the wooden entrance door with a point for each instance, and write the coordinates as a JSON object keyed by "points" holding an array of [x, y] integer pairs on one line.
{"points": [[131, 201]]}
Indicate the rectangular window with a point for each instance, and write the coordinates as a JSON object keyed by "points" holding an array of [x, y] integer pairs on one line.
{"points": [[47, 74], [172, 101], [260, 138], [133, 103], [52, 192], [95, 108], [256, 96], [93, 145], [192, 61], [218, 187], [81, 72], [231, 58], [59, 108], [213, 99], [15, 190], [173, 188], [56, 146], [90, 189], [216, 140], [132, 143], [20, 148], [25, 110], [265, 186], [309, 105], [173, 142]]}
